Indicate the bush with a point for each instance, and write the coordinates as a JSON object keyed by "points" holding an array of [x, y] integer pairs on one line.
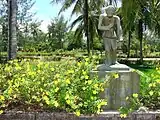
{"points": [[150, 89], [149, 96], [48, 85]]}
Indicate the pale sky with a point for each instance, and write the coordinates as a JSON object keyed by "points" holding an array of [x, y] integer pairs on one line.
{"points": [[47, 11]]}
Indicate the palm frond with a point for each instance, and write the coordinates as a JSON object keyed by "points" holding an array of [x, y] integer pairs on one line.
{"points": [[77, 8], [66, 5], [79, 31], [79, 19], [56, 1]]}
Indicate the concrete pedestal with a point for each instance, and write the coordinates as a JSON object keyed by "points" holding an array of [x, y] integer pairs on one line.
{"points": [[123, 82]]}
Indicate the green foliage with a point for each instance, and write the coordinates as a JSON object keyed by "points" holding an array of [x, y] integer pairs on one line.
{"points": [[149, 95], [56, 33], [65, 86], [150, 89], [133, 104]]}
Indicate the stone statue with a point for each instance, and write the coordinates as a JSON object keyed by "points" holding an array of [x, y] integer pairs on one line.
{"points": [[127, 81], [110, 25]]}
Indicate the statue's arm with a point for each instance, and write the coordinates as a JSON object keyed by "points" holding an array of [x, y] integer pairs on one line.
{"points": [[119, 28], [100, 27]]}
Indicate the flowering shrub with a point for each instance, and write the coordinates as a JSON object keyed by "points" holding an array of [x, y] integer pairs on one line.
{"points": [[149, 96], [150, 89], [48, 85]]}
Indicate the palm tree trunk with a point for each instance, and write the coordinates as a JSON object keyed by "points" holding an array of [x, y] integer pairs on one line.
{"points": [[158, 30], [91, 45], [12, 29], [129, 43], [86, 25], [141, 39], [110, 2], [4, 36]]}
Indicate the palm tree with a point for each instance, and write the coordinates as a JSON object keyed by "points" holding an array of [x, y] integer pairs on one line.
{"points": [[140, 12], [129, 13], [77, 9], [154, 10], [87, 22], [81, 7], [92, 23], [12, 35], [133, 11]]}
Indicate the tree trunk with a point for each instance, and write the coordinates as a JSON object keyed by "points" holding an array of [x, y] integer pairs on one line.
{"points": [[86, 25], [110, 2], [140, 32], [158, 30], [129, 43], [4, 36], [12, 29], [91, 45]]}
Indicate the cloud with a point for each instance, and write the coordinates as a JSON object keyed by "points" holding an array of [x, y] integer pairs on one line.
{"points": [[44, 25]]}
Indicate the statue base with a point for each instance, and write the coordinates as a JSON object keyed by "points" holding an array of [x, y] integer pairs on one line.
{"points": [[116, 91], [116, 67]]}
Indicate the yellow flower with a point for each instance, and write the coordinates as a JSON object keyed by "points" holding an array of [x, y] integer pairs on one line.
{"points": [[102, 89], [78, 113], [84, 72], [2, 98], [152, 85], [38, 71], [87, 59], [94, 92], [52, 69], [18, 68], [68, 101], [158, 81], [79, 64], [96, 85], [86, 63], [116, 76], [70, 71], [56, 82], [56, 104], [46, 99], [92, 97], [15, 96], [10, 91], [123, 115], [94, 57], [83, 88], [1, 111], [56, 90], [57, 75], [151, 93], [86, 77], [135, 95], [68, 81], [133, 70], [67, 96], [127, 98], [89, 82]]}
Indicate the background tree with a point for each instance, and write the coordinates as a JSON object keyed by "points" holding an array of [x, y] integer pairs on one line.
{"points": [[56, 31], [22, 16], [82, 7]]}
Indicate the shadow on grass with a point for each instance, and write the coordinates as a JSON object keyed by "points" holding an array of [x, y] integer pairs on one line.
{"points": [[144, 67]]}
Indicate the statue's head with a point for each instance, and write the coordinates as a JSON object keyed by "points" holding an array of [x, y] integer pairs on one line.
{"points": [[110, 10]]}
